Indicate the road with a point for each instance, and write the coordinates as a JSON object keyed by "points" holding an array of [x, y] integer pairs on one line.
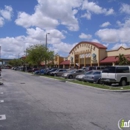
{"points": [[38, 103]]}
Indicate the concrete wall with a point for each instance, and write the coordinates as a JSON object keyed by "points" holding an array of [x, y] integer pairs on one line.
{"points": [[58, 60], [102, 54], [121, 50]]}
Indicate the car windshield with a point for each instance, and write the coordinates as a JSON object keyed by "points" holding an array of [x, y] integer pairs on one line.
{"points": [[71, 71], [109, 70], [96, 72], [89, 72]]}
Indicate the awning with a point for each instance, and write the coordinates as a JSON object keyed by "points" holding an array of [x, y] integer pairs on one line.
{"points": [[112, 59], [66, 62]]}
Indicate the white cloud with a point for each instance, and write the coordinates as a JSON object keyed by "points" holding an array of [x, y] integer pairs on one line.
{"points": [[36, 19], [108, 35], [95, 40], [50, 14], [85, 36], [116, 46], [62, 48], [87, 15], [116, 35], [17, 45], [125, 8], [1, 21], [110, 12], [7, 12], [95, 8], [11, 46], [105, 24]]}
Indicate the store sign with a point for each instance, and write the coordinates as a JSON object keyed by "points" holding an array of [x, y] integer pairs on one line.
{"points": [[85, 55]]}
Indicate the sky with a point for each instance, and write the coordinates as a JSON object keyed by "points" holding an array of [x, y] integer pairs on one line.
{"points": [[65, 23]]}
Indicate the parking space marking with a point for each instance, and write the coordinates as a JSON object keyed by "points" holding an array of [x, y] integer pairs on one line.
{"points": [[2, 117], [1, 101]]}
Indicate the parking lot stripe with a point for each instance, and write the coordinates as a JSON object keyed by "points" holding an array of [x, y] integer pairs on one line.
{"points": [[2, 117]]}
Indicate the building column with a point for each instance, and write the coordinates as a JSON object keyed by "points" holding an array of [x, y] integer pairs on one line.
{"points": [[98, 57], [84, 59], [69, 65], [74, 60], [90, 59], [79, 60], [113, 64]]}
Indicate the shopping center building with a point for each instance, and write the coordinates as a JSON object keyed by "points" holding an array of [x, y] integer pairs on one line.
{"points": [[92, 54]]}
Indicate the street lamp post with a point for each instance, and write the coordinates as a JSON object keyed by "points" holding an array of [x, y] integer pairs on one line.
{"points": [[46, 47], [46, 39]]}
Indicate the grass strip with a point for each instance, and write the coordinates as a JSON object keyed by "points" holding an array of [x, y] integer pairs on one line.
{"points": [[102, 86]]}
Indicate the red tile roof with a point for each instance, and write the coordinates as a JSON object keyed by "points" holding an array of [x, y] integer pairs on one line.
{"points": [[111, 59], [66, 62], [98, 45]]}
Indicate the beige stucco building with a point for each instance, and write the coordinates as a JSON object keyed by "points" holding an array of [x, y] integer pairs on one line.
{"points": [[92, 54]]}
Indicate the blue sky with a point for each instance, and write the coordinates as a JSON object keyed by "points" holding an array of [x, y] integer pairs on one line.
{"points": [[26, 22]]}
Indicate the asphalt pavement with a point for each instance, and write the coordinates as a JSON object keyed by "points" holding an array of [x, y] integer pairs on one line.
{"points": [[29, 102]]}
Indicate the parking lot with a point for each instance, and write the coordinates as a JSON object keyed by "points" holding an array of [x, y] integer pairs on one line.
{"points": [[32, 102]]}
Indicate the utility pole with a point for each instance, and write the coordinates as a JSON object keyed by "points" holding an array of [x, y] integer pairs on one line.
{"points": [[46, 48]]}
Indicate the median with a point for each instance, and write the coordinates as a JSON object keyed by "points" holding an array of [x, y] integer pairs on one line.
{"points": [[101, 86]]}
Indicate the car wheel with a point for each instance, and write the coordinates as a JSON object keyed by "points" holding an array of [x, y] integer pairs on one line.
{"points": [[108, 84], [123, 82], [70, 77], [99, 81]]}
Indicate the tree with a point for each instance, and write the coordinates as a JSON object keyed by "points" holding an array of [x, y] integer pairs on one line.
{"points": [[15, 62], [38, 53], [122, 60]]}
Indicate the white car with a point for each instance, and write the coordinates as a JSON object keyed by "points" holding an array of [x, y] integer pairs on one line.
{"points": [[116, 74]]}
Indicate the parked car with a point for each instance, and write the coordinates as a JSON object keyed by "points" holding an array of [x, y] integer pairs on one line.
{"points": [[32, 69], [93, 68], [73, 73], [95, 76], [116, 74], [51, 70], [41, 71], [58, 72], [81, 76]]}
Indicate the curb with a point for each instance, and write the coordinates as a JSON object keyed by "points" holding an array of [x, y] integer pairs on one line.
{"points": [[109, 90], [48, 78]]}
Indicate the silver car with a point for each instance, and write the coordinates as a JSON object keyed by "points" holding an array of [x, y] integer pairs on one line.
{"points": [[81, 76], [95, 76], [73, 73]]}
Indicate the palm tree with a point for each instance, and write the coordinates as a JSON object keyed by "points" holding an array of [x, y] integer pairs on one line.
{"points": [[122, 60]]}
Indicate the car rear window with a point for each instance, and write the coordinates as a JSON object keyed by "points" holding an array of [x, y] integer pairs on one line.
{"points": [[122, 70]]}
